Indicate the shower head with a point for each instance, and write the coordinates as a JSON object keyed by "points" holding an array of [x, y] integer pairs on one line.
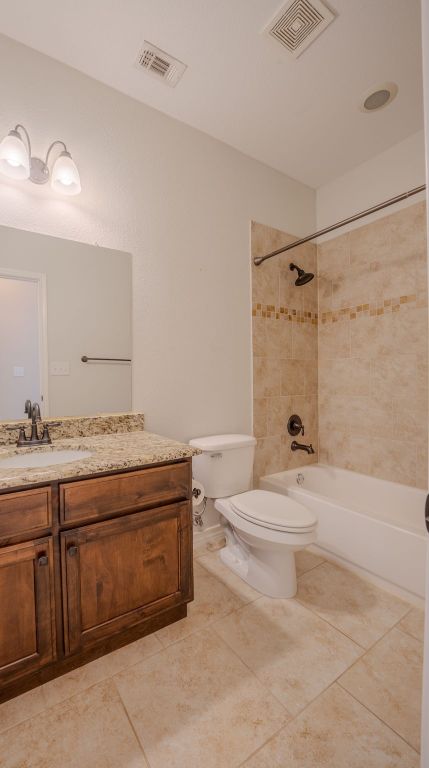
{"points": [[303, 277]]}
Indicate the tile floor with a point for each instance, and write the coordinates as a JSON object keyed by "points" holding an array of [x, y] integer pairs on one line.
{"points": [[327, 680]]}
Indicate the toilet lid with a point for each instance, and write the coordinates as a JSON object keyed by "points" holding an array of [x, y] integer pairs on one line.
{"points": [[273, 510]]}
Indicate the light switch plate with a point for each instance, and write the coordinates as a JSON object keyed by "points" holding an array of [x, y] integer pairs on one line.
{"points": [[60, 369], [18, 370]]}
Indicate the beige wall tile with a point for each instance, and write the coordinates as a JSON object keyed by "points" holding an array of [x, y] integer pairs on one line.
{"points": [[279, 409], [333, 255], [370, 242], [259, 339], [278, 342], [345, 376], [268, 458], [334, 340], [304, 341], [266, 377], [293, 377], [260, 417]]}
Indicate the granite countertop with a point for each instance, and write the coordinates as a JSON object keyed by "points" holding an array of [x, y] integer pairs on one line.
{"points": [[110, 452]]}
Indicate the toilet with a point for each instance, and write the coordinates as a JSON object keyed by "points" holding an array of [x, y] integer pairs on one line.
{"points": [[263, 529]]}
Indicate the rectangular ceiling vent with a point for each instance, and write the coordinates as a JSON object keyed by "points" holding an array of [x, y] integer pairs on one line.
{"points": [[160, 64], [297, 24]]}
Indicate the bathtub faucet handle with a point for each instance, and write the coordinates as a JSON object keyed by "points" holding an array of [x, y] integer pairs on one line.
{"points": [[295, 425]]}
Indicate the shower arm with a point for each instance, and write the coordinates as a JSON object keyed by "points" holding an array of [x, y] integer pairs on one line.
{"points": [[258, 260]]}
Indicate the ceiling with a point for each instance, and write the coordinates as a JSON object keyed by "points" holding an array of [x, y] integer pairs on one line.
{"points": [[299, 116]]}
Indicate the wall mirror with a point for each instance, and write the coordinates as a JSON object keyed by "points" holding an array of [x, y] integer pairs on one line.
{"points": [[61, 301]]}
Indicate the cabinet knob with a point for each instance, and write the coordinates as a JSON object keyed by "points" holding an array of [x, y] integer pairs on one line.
{"points": [[43, 560], [72, 551]]}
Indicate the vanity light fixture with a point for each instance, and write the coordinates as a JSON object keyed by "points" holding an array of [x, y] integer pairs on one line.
{"points": [[16, 162]]}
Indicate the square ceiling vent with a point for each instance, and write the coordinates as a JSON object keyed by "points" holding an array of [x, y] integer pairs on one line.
{"points": [[160, 64], [298, 23]]}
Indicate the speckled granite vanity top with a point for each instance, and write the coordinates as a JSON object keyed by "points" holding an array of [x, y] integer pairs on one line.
{"points": [[110, 452]]}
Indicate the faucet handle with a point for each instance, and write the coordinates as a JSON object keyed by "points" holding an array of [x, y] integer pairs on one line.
{"points": [[295, 425], [22, 437]]}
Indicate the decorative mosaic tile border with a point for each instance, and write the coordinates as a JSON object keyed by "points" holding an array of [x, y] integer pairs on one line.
{"points": [[292, 315], [377, 309]]}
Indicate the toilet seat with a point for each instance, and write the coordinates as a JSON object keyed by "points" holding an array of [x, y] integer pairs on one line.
{"points": [[273, 510]]}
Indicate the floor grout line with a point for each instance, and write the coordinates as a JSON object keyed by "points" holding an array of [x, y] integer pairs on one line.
{"points": [[131, 724], [380, 719]]}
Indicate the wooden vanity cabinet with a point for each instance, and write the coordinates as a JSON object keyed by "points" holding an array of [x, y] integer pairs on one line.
{"points": [[115, 565], [27, 624], [117, 573]]}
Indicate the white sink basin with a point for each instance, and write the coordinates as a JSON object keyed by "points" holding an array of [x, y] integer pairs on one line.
{"points": [[42, 459]]}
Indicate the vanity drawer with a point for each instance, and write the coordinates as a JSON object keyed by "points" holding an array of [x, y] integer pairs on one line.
{"points": [[85, 500], [25, 512]]}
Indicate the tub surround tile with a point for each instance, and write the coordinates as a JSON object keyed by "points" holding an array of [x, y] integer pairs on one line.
{"points": [[373, 331], [79, 426], [388, 681], [268, 457], [333, 732], [292, 652], [414, 624], [354, 606], [109, 453], [205, 706], [212, 601], [285, 321], [91, 728]]}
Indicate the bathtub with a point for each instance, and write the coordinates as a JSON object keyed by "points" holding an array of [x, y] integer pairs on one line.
{"points": [[373, 524]]}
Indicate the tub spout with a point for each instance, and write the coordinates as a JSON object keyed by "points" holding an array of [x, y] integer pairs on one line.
{"points": [[301, 447]]}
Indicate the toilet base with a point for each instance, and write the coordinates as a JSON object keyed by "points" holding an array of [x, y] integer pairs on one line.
{"points": [[270, 572]]}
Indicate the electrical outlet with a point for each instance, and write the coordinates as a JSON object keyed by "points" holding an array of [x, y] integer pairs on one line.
{"points": [[60, 369]]}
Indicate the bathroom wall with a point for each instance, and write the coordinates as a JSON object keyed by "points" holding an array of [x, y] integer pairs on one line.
{"points": [[284, 351], [181, 203], [373, 340], [396, 170]]}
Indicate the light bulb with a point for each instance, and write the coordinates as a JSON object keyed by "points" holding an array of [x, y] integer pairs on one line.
{"points": [[65, 175], [14, 158]]}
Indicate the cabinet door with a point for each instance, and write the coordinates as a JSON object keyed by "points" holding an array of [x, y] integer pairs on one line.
{"points": [[119, 572], [27, 627]]}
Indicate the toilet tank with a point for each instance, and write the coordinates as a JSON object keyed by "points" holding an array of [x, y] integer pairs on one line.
{"points": [[225, 465]]}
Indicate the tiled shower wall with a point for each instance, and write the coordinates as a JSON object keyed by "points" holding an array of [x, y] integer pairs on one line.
{"points": [[284, 352], [347, 352], [373, 339]]}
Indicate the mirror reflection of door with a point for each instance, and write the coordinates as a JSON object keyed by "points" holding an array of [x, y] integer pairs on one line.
{"points": [[21, 342]]}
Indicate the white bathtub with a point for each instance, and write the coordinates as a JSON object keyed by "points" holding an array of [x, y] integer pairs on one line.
{"points": [[373, 524]]}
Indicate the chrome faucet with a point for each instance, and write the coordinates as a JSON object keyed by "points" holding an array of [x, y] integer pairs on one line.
{"points": [[301, 447]]}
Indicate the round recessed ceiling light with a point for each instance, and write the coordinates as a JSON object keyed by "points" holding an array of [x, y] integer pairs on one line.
{"points": [[380, 97]]}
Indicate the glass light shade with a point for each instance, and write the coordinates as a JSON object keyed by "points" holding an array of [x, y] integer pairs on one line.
{"points": [[14, 159], [65, 175]]}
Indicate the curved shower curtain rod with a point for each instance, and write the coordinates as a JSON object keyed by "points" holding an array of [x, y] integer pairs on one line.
{"points": [[260, 259]]}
